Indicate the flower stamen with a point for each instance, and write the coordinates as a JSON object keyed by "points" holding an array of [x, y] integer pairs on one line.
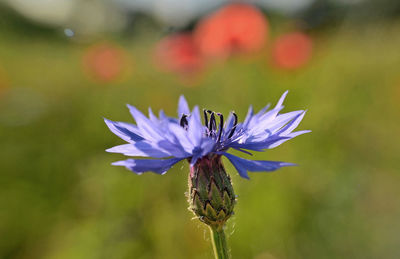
{"points": [[212, 126], [221, 125], [205, 117], [234, 125], [184, 122]]}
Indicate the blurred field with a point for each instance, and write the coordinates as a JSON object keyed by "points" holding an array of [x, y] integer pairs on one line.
{"points": [[60, 198]]}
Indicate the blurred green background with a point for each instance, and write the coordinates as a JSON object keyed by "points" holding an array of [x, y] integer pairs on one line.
{"points": [[61, 198]]}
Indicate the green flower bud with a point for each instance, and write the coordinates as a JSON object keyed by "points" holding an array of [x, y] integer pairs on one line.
{"points": [[211, 196]]}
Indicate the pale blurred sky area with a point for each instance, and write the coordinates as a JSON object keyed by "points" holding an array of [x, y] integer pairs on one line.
{"points": [[96, 15]]}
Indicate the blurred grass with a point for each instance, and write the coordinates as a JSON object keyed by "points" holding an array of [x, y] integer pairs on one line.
{"points": [[60, 198]]}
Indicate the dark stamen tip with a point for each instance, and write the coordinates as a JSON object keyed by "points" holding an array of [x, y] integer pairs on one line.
{"points": [[234, 125], [236, 118], [205, 117], [212, 124], [184, 122], [221, 125]]}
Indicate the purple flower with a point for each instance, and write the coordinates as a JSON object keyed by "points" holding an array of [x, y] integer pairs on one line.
{"points": [[164, 141]]}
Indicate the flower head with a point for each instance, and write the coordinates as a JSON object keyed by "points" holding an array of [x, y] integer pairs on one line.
{"points": [[164, 141]]}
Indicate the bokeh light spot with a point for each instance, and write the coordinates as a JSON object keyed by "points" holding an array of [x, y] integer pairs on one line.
{"points": [[233, 28], [178, 53], [292, 50], [104, 62], [69, 33]]}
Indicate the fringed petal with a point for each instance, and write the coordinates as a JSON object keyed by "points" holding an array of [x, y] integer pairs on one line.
{"points": [[244, 165], [140, 166]]}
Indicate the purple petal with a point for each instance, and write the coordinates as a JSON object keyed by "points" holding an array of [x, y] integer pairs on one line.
{"points": [[282, 119], [292, 125], [228, 124], [147, 128], [183, 107], [287, 137], [174, 148], [153, 117], [207, 146], [165, 118], [139, 166], [126, 131], [180, 137], [263, 110], [265, 129], [270, 115], [248, 117], [244, 151], [267, 118], [260, 145], [141, 148], [162, 115], [244, 165], [195, 128], [280, 102]]}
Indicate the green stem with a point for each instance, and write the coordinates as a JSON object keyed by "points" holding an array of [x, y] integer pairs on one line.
{"points": [[219, 243]]}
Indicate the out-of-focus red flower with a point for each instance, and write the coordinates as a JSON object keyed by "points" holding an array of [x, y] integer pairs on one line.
{"points": [[178, 53], [292, 50], [104, 62], [233, 28]]}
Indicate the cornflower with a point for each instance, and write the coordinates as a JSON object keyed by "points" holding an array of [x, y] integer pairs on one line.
{"points": [[163, 141]]}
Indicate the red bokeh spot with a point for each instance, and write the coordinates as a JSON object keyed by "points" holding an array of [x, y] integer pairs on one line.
{"points": [[292, 50], [104, 62], [233, 28], [178, 53]]}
